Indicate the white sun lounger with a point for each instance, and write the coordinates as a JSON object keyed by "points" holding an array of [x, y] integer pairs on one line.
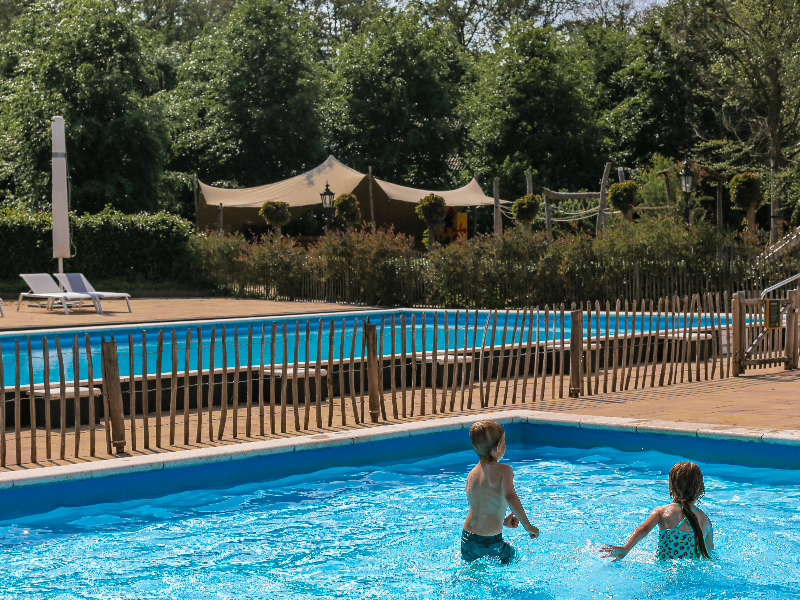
{"points": [[43, 287], [77, 283]]}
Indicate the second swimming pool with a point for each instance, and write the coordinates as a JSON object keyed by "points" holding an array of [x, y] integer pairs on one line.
{"points": [[457, 329]]}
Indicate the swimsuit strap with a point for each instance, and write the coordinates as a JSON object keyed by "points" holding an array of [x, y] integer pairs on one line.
{"points": [[684, 518]]}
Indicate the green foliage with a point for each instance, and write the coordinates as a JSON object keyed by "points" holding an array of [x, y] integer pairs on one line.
{"points": [[394, 90], [275, 214], [375, 264], [346, 209], [432, 209], [651, 191], [529, 105], [622, 196], [245, 107], [746, 190], [527, 207], [86, 61], [108, 244]]}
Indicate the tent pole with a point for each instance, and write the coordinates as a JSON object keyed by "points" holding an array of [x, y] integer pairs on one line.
{"points": [[498, 220], [371, 205], [196, 207]]}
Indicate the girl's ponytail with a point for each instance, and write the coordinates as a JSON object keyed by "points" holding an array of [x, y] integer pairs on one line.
{"points": [[699, 538]]}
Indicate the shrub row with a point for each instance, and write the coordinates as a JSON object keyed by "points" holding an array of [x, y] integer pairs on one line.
{"points": [[108, 244]]}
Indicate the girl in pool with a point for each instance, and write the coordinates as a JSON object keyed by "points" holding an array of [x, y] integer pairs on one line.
{"points": [[684, 530]]}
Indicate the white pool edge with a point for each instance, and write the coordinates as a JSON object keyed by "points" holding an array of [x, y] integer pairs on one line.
{"points": [[200, 456]]}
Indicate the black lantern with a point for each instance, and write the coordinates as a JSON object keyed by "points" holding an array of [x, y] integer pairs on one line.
{"points": [[327, 197], [687, 178]]}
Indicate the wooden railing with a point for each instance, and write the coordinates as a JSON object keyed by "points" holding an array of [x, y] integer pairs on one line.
{"points": [[246, 380]]}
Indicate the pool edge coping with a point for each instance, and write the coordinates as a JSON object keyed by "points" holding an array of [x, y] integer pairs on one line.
{"points": [[217, 454]]}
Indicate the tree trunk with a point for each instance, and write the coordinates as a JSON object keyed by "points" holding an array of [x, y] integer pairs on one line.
{"points": [[431, 236], [526, 226], [776, 157], [751, 217], [629, 215], [277, 230]]}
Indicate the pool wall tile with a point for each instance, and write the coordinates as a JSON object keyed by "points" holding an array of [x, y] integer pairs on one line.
{"points": [[781, 437], [744, 434], [538, 417], [610, 423], [668, 428]]}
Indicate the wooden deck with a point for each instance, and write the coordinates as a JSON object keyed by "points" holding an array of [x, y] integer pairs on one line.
{"points": [[161, 309], [767, 398]]}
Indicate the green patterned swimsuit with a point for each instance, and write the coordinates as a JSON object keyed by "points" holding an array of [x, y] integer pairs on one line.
{"points": [[674, 543]]}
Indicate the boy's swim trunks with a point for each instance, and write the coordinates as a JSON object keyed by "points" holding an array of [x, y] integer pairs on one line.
{"points": [[474, 547]]}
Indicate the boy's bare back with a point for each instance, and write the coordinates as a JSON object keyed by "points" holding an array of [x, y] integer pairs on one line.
{"points": [[487, 498]]}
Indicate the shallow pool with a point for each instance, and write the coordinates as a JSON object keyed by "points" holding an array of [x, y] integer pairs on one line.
{"points": [[391, 531], [301, 331]]}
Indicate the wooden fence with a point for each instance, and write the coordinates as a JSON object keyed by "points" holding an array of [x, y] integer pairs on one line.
{"points": [[409, 365]]}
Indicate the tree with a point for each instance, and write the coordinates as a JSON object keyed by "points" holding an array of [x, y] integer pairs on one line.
{"points": [[245, 109], [276, 214], [753, 48], [747, 195], [345, 209], [622, 197], [525, 209], [85, 61], [432, 209], [527, 107], [394, 88]]}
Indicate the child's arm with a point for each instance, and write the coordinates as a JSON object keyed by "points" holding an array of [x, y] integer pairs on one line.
{"points": [[709, 540], [620, 552], [514, 503]]}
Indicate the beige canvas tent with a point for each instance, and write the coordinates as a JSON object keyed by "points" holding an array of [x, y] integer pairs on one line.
{"points": [[392, 204]]}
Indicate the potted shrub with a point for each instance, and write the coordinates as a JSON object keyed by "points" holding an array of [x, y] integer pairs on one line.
{"points": [[525, 210], [276, 214], [346, 210], [747, 195], [622, 197], [432, 209]]}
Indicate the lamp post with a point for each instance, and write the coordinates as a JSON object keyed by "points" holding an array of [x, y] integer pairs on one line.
{"points": [[327, 204], [687, 187]]}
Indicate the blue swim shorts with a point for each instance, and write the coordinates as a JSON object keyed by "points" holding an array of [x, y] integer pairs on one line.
{"points": [[475, 546]]}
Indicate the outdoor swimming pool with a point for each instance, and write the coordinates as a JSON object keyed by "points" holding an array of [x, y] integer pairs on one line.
{"points": [[513, 331], [391, 531]]}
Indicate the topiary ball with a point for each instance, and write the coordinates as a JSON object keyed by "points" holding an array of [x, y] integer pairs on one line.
{"points": [[746, 190], [622, 196], [432, 209], [346, 209], [527, 207], [275, 214]]}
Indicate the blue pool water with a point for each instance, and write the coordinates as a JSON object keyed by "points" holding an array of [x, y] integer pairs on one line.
{"points": [[391, 531], [515, 332]]}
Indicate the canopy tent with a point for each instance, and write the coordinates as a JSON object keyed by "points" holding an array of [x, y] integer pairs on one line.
{"points": [[393, 204]]}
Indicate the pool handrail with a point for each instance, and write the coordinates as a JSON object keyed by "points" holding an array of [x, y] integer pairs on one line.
{"points": [[777, 285]]}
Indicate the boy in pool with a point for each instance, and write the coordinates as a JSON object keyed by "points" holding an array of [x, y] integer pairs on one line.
{"points": [[490, 488]]}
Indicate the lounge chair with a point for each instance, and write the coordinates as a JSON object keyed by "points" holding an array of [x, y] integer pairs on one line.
{"points": [[77, 283], [2, 314], [43, 287]]}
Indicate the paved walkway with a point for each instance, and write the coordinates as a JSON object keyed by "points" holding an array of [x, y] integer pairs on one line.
{"points": [[161, 309], [764, 398]]}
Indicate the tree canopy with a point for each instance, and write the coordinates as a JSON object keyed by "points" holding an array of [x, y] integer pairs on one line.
{"points": [[426, 92]]}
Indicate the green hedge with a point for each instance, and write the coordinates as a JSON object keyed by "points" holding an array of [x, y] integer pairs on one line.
{"points": [[109, 244]]}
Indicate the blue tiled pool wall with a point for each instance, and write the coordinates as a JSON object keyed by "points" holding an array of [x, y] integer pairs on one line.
{"points": [[515, 332], [36, 499]]}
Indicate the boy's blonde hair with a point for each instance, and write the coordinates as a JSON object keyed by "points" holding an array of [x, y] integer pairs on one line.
{"points": [[485, 435]]}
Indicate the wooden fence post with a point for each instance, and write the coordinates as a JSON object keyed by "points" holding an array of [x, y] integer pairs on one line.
{"points": [[575, 352], [737, 333], [111, 383], [370, 330]]}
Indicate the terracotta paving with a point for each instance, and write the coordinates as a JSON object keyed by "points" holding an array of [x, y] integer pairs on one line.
{"points": [[156, 309], [765, 398]]}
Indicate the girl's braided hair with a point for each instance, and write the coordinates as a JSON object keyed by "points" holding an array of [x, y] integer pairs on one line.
{"points": [[686, 486]]}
